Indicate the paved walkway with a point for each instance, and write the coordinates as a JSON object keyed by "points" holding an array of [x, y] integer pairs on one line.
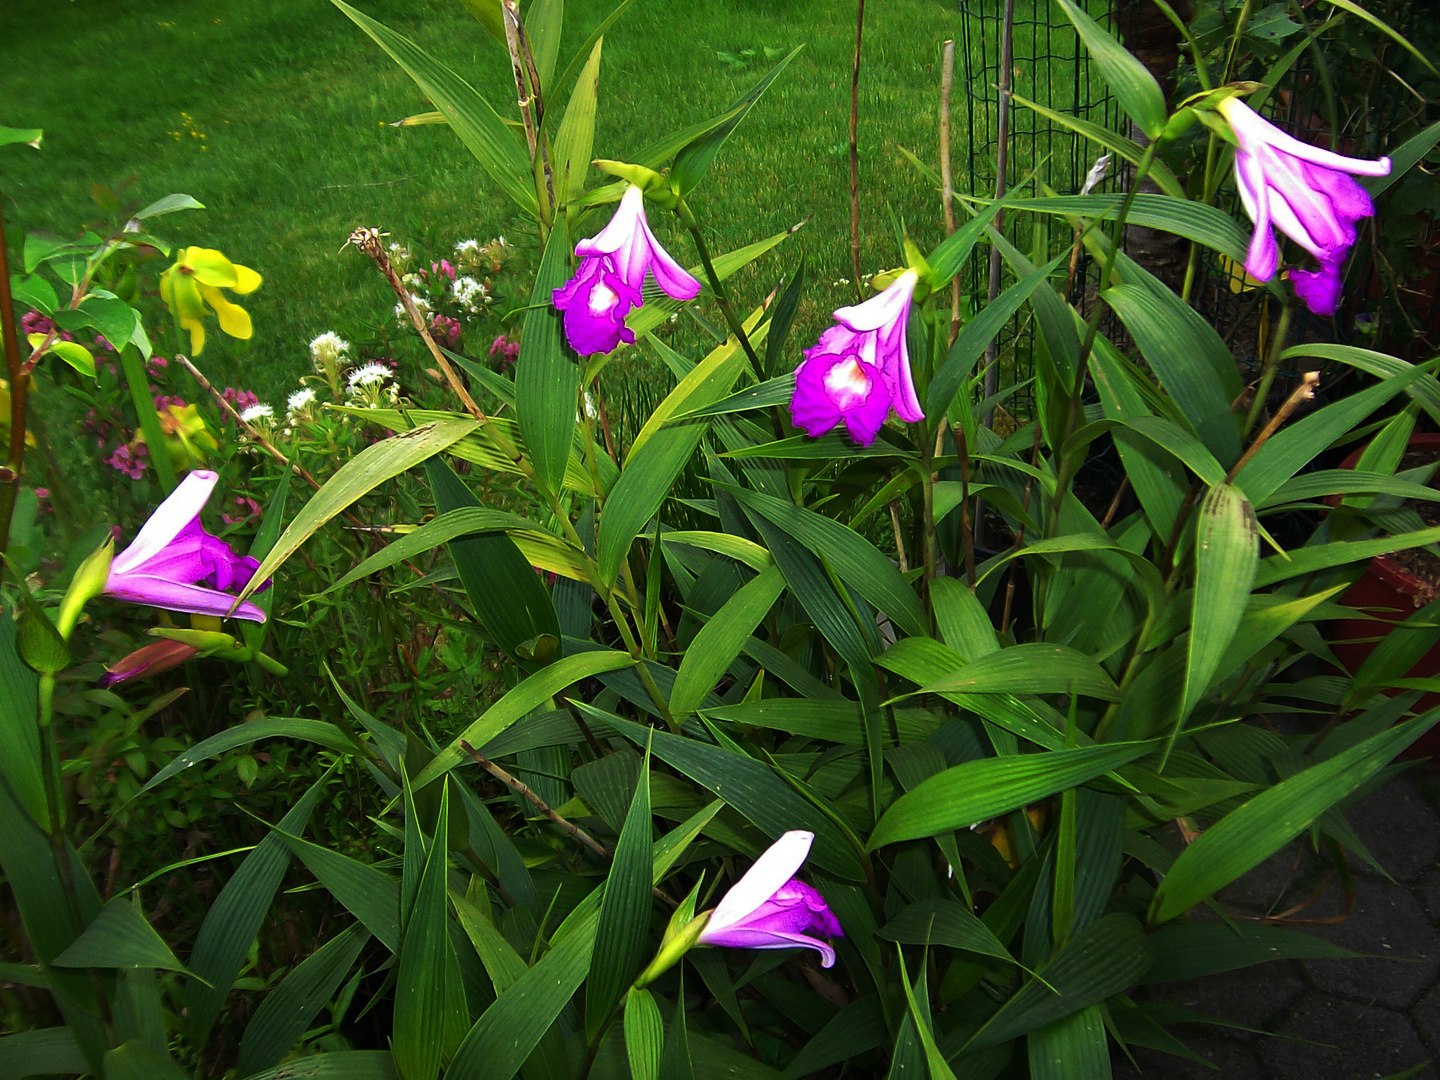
{"points": [[1339, 1019]]}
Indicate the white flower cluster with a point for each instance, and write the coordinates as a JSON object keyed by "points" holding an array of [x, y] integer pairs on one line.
{"points": [[368, 375], [300, 401], [472, 295], [399, 253], [328, 352], [258, 416], [467, 249]]}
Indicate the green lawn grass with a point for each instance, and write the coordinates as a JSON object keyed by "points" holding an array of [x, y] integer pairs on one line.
{"points": [[293, 103]]}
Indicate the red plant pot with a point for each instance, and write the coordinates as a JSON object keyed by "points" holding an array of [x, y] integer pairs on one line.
{"points": [[1391, 593]]}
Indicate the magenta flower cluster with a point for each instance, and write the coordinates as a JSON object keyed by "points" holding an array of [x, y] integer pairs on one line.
{"points": [[607, 286]]}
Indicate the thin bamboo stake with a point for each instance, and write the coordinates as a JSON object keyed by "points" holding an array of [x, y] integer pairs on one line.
{"points": [[947, 177]]}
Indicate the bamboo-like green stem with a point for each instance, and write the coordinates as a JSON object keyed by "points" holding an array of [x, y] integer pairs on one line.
{"points": [[1271, 365], [1092, 325], [15, 457], [718, 287]]}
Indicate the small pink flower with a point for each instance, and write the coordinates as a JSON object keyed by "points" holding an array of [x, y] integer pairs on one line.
{"points": [[159, 362], [446, 329], [506, 350], [129, 460]]}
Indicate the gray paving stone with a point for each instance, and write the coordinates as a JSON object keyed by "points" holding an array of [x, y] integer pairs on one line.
{"points": [[1235, 1062], [1400, 827], [1427, 1018], [1402, 949], [1428, 891], [1256, 997], [1344, 1040]]}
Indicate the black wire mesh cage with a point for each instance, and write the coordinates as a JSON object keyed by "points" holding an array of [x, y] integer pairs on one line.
{"points": [[1351, 86]]}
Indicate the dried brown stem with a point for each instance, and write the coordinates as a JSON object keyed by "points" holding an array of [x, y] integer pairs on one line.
{"points": [[1304, 392], [520, 788], [368, 241]]}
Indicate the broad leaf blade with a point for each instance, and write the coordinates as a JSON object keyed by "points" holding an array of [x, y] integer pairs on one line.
{"points": [[547, 381]]}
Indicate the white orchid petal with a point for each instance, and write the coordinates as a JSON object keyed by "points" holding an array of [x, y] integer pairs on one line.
{"points": [[777, 865], [172, 515], [1251, 129], [881, 310]]}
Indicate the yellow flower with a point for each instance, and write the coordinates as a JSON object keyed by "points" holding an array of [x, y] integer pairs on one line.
{"points": [[5, 413], [187, 439], [196, 280]]}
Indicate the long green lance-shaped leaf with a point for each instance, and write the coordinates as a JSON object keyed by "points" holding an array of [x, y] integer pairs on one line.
{"points": [[1309, 560], [235, 918], [420, 981], [530, 694], [1073, 1048], [947, 923], [660, 451], [442, 529], [1248, 836], [365, 471], [1402, 159], [853, 558], [624, 913], [43, 1052], [547, 382], [1293, 447], [695, 159], [1424, 390], [369, 895], [659, 307], [977, 334], [979, 790], [1194, 950], [288, 1011], [513, 1026], [721, 640], [137, 1060], [471, 117], [1128, 149], [1184, 217], [1030, 668], [20, 728], [274, 727], [1156, 475], [589, 43], [339, 1065], [1129, 80], [543, 21], [696, 147], [120, 937], [644, 1034], [1227, 553], [750, 786], [1177, 350], [504, 590], [1101, 960], [577, 131]]}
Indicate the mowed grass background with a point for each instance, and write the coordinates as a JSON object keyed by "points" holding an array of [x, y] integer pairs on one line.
{"points": [[294, 104]]}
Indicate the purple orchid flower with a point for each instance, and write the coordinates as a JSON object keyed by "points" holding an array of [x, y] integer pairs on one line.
{"points": [[859, 368], [173, 563], [1310, 194], [146, 661], [769, 909], [612, 271]]}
